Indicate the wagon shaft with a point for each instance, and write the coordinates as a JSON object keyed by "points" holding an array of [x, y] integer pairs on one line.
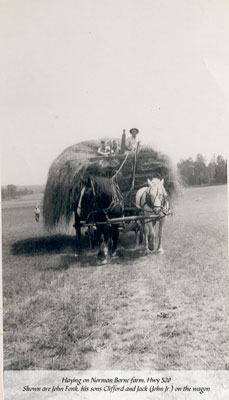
{"points": [[124, 220]]}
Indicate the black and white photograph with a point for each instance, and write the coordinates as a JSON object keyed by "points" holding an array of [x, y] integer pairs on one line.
{"points": [[114, 203]]}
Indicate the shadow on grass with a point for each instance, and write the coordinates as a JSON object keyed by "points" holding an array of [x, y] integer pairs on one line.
{"points": [[65, 248], [125, 254], [88, 258], [81, 260], [44, 244]]}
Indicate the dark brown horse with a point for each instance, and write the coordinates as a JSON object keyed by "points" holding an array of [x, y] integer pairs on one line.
{"points": [[99, 200]]}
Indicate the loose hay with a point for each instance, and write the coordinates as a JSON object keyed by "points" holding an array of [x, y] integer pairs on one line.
{"points": [[79, 161]]}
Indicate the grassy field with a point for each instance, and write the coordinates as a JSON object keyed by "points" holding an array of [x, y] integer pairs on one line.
{"points": [[137, 312]]}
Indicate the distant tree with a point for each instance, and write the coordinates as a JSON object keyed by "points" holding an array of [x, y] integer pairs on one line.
{"points": [[11, 191], [221, 170], [186, 170], [198, 173], [4, 193], [211, 171], [23, 192], [200, 170]]}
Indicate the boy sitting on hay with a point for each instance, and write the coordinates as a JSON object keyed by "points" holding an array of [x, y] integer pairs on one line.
{"points": [[103, 150], [130, 145], [107, 149]]}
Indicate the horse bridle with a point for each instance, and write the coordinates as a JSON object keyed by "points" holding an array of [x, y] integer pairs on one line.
{"points": [[151, 203], [91, 205], [116, 200]]}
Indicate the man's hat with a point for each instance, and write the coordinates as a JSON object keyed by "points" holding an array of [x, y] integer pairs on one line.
{"points": [[134, 130]]}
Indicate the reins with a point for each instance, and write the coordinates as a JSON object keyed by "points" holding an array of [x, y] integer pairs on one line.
{"points": [[148, 200], [117, 199]]}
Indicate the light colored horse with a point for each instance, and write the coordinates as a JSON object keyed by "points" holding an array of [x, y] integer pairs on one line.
{"points": [[153, 202]]}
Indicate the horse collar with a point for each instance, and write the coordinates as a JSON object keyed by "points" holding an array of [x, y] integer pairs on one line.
{"points": [[93, 187], [148, 199]]}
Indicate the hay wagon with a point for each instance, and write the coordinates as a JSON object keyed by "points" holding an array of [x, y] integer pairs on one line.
{"points": [[128, 171], [131, 219]]}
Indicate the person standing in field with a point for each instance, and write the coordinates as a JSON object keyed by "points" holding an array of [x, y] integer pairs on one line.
{"points": [[37, 213], [131, 143]]}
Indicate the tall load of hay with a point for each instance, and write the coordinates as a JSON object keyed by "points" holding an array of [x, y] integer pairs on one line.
{"points": [[79, 161]]}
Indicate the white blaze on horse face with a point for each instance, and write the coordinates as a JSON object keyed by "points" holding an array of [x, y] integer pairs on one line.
{"points": [[80, 201], [156, 193]]}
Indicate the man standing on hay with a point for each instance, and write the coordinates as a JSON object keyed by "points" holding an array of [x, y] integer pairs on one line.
{"points": [[131, 143]]}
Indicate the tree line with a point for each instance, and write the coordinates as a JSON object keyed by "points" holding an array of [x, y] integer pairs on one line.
{"points": [[12, 192], [197, 172], [192, 172]]}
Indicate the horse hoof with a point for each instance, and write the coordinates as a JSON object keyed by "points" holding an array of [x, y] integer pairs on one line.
{"points": [[147, 252], [160, 251], [104, 262], [114, 255]]}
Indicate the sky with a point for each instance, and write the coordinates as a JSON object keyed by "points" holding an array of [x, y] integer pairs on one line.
{"points": [[73, 70]]}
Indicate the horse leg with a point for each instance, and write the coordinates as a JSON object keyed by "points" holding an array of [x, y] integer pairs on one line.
{"points": [[92, 236], [114, 237], [146, 234], [151, 236], [103, 248], [137, 235], [77, 227], [160, 233], [139, 232]]}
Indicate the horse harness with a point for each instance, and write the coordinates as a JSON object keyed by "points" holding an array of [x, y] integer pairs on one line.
{"points": [[117, 199], [150, 203]]}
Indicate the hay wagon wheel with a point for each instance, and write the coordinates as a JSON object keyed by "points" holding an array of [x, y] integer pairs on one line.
{"points": [[134, 225]]}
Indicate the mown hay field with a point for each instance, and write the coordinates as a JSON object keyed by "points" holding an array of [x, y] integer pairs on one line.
{"points": [[137, 312]]}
